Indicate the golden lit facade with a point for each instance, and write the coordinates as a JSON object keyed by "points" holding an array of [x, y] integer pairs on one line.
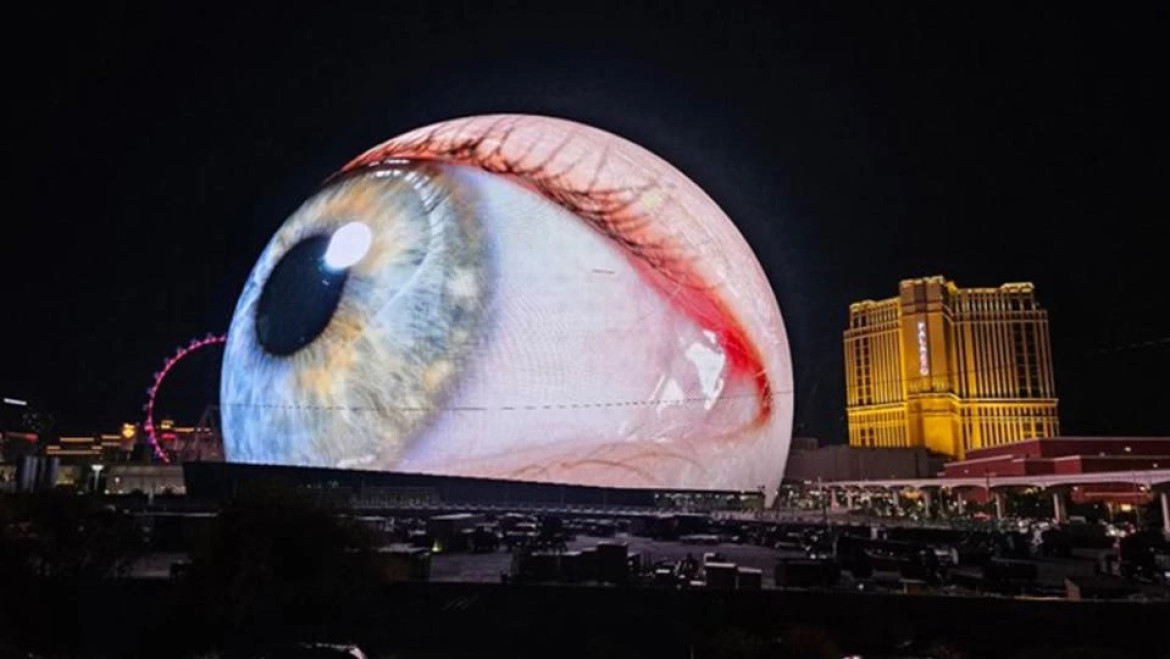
{"points": [[949, 369]]}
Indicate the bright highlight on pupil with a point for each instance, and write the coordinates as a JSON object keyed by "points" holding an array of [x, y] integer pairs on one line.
{"points": [[348, 245]]}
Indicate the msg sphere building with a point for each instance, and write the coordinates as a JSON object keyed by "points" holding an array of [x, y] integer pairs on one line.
{"points": [[512, 297]]}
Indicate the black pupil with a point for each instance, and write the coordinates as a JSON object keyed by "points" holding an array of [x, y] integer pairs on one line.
{"points": [[299, 298]]}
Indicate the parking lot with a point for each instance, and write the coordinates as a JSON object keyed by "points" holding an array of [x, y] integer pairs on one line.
{"points": [[487, 567]]}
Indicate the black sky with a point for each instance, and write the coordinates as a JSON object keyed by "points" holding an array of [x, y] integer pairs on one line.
{"points": [[153, 152]]}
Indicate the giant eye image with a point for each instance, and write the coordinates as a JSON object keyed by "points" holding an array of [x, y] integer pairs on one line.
{"points": [[511, 297]]}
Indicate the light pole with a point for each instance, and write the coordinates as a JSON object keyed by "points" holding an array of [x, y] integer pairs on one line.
{"points": [[987, 489], [824, 503], [97, 473], [999, 508]]}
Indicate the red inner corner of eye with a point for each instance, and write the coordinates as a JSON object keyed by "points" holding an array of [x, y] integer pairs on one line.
{"points": [[746, 361], [704, 307]]}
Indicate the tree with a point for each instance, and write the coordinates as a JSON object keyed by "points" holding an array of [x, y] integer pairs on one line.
{"points": [[53, 547], [277, 565], [62, 536]]}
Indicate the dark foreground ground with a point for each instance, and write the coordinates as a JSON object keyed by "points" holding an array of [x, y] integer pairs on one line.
{"points": [[138, 618], [487, 567]]}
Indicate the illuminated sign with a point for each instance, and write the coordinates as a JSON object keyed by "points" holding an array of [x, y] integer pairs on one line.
{"points": [[923, 351]]}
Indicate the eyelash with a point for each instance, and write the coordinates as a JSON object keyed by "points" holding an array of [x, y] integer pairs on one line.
{"points": [[606, 210]]}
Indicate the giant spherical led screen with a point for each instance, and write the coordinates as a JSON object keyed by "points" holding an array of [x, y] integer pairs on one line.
{"points": [[512, 297]]}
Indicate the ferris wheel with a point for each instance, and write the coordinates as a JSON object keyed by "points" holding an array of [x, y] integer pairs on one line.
{"points": [[149, 426]]}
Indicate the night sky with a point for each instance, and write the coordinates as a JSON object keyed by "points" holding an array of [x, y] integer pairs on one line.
{"points": [[153, 153]]}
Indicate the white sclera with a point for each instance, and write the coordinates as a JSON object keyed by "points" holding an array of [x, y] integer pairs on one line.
{"points": [[348, 245]]}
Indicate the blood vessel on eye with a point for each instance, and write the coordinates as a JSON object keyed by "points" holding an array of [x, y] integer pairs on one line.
{"points": [[624, 199]]}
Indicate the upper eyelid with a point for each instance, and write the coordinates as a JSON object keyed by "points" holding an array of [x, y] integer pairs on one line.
{"points": [[578, 183], [627, 193]]}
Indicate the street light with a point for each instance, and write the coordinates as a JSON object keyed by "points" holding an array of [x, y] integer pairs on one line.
{"points": [[992, 499], [97, 472], [824, 502]]}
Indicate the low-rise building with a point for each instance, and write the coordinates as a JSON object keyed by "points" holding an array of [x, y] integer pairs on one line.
{"points": [[1072, 455]]}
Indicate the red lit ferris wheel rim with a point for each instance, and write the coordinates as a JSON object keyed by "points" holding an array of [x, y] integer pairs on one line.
{"points": [[159, 377]]}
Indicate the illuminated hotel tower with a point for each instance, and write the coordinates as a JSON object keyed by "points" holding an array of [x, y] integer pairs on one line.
{"points": [[949, 369]]}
